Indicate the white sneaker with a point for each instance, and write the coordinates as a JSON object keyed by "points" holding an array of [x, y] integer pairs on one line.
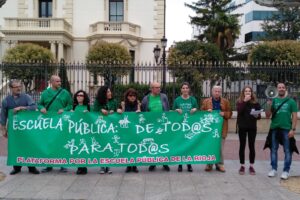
{"points": [[102, 170], [272, 173], [284, 175]]}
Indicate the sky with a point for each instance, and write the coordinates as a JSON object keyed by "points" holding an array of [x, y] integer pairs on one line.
{"points": [[177, 21]]}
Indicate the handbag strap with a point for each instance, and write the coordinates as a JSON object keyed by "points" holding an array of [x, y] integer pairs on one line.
{"points": [[49, 104], [274, 113]]}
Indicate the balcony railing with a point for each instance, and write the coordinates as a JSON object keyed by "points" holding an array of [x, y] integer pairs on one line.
{"points": [[37, 24], [115, 28]]}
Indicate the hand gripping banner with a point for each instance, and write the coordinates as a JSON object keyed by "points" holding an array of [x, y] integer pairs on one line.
{"points": [[127, 139]]}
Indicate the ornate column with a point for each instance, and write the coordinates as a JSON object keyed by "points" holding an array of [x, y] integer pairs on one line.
{"points": [[60, 51], [53, 48]]}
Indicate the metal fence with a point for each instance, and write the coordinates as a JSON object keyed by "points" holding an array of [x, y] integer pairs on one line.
{"points": [[231, 76]]}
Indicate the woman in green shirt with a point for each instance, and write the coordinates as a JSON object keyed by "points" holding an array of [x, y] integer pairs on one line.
{"points": [[105, 104], [183, 104], [81, 103]]}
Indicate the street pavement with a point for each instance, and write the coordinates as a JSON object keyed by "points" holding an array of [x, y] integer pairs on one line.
{"points": [[158, 185]]}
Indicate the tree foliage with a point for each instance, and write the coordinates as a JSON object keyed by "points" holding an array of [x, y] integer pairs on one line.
{"points": [[216, 23], [286, 51], [192, 51], [274, 54], [109, 60], [28, 62], [283, 25], [185, 59]]}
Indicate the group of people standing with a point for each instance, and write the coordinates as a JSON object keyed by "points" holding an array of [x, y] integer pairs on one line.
{"points": [[283, 113], [59, 100]]}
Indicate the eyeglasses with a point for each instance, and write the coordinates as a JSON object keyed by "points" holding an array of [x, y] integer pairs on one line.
{"points": [[132, 95], [80, 95], [156, 87]]}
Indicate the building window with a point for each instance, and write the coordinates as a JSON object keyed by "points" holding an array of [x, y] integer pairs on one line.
{"points": [[45, 8], [254, 36], [116, 10], [259, 15]]}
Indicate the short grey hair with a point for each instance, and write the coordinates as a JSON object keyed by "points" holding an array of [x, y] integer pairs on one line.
{"points": [[12, 81], [216, 87]]}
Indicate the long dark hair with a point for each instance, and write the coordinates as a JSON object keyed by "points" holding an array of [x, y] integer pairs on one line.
{"points": [[86, 99], [101, 96], [128, 92]]}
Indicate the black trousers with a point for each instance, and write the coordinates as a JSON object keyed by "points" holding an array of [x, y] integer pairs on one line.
{"points": [[251, 143]]}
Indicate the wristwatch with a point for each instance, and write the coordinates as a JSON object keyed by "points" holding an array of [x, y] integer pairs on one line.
{"points": [[294, 129]]}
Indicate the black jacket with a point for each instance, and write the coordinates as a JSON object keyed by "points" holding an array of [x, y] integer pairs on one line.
{"points": [[293, 145], [244, 119]]}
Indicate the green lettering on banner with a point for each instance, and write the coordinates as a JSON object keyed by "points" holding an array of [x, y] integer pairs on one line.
{"points": [[89, 139]]}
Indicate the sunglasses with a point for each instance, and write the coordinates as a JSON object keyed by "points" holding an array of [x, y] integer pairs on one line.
{"points": [[80, 95]]}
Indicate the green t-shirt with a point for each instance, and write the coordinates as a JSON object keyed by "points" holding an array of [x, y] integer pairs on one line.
{"points": [[81, 108], [185, 104], [155, 104], [283, 117], [62, 101], [110, 105]]}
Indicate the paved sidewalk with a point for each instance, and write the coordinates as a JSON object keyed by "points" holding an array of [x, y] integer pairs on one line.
{"points": [[154, 185]]}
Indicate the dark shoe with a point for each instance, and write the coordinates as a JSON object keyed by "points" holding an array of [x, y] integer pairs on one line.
{"points": [[179, 168], [81, 171], [128, 169], [189, 168], [242, 170], [208, 167], [135, 169], [63, 170], [84, 169], [34, 171], [252, 170], [220, 168], [47, 169], [13, 172], [152, 168], [107, 170], [166, 168]]}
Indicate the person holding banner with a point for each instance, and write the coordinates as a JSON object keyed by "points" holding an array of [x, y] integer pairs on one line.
{"points": [[17, 101], [216, 102], [105, 104], [81, 103], [246, 124], [130, 104], [55, 99], [185, 104], [155, 101]]}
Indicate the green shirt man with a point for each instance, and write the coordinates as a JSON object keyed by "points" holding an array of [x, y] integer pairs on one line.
{"points": [[57, 100], [62, 101], [283, 118]]}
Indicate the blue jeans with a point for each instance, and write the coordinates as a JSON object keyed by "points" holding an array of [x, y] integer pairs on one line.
{"points": [[277, 135]]}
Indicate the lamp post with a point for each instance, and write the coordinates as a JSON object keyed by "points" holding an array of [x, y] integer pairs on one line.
{"points": [[161, 60], [164, 45], [156, 52]]}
